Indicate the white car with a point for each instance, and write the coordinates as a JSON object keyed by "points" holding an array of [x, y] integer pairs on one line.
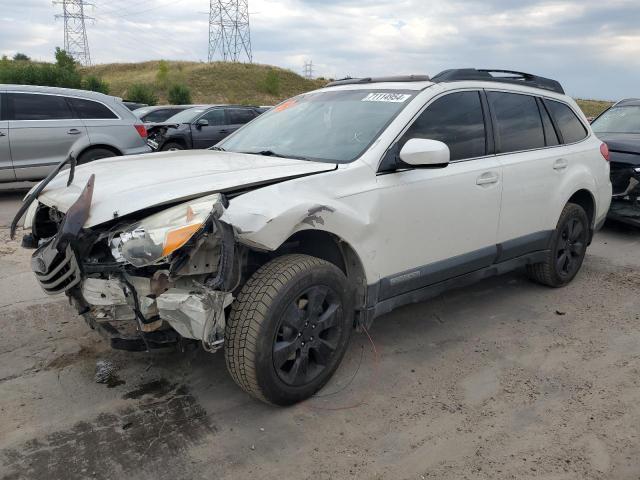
{"points": [[331, 209]]}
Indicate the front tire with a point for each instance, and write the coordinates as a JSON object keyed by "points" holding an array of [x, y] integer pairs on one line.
{"points": [[172, 146], [289, 329], [567, 251]]}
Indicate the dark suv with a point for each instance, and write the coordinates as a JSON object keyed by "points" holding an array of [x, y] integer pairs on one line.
{"points": [[200, 127]]}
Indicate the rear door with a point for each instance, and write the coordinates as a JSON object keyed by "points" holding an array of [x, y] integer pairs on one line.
{"points": [[6, 167], [43, 128], [205, 136], [237, 117], [533, 165]]}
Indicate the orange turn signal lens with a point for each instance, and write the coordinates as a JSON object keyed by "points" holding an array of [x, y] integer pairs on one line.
{"points": [[178, 237]]}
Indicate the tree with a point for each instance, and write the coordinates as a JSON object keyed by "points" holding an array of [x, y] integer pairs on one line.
{"points": [[179, 94], [64, 60], [95, 84], [143, 93], [21, 57]]}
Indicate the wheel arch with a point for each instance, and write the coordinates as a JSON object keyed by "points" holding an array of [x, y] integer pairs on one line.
{"points": [[586, 200], [95, 146], [330, 247]]}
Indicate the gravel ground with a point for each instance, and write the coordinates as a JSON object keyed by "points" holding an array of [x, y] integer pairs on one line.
{"points": [[505, 379]]}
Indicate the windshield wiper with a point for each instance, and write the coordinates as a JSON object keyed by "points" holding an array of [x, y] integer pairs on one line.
{"points": [[271, 153], [218, 149]]}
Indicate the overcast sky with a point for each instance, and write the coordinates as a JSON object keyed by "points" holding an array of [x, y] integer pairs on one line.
{"points": [[591, 46]]}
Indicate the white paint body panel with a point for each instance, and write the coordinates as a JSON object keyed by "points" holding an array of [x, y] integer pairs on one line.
{"points": [[394, 222]]}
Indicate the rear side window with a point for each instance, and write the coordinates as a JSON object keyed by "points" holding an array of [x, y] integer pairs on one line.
{"points": [[240, 116], [519, 125], [456, 120], [27, 106], [571, 129], [88, 109]]}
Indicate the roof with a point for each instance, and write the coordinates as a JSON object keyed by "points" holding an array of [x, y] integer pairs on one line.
{"points": [[57, 90]]}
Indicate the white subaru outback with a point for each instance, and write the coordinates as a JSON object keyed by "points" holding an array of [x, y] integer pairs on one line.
{"points": [[333, 208]]}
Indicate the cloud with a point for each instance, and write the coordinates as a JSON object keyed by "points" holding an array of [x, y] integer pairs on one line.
{"points": [[592, 47]]}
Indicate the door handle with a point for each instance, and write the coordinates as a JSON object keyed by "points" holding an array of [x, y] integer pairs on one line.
{"points": [[74, 131], [487, 178], [560, 164]]}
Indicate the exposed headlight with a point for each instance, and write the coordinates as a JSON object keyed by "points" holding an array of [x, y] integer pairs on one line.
{"points": [[156, 237]]}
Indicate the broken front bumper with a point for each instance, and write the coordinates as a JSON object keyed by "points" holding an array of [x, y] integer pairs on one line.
{"points": [[625, 211]]}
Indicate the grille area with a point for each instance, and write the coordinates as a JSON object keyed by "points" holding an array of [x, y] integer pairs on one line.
{"points": [[56, 272]]}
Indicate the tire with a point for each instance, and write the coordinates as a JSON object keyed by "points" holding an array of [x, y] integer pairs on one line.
{"points": [[95, 154], [167, 147], [274, 326], [567, 251]]}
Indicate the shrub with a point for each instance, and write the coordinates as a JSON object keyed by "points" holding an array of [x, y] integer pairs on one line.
{"points": [[162, 76], [21, 57], [95, 84], [271, 84], [179, 94], [143, 93], [64, 60]]}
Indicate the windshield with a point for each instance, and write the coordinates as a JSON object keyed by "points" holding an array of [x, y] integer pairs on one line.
{"points": [[330, 126], [186, 116], [618, 120]]}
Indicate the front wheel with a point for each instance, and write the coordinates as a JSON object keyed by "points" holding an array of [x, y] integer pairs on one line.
{"points": [[567, 251], [172, 147], [289, 329]]}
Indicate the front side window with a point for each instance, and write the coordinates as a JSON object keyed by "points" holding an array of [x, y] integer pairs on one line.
{"points": [[456, 120], [570, 127], [618, 120], [214, 117], [519, 125], [331, 126], [28, 106], [88, 109], [158, 115], [239, 116]]}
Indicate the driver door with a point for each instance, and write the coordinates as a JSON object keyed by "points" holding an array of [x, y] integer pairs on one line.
{"points": [[205, 136], [441, 222]]}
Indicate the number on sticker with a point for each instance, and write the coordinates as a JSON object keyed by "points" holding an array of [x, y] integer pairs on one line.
{"points": [[386, 97]]}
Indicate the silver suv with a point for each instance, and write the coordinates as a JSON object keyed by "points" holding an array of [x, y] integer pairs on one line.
{"points": [[39, 126]]}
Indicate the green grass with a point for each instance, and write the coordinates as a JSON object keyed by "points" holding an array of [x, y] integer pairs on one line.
{"points": [[593, 108], [218, 82]]}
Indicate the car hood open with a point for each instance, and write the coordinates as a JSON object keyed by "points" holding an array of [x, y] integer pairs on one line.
{"points": [[125, 185]]}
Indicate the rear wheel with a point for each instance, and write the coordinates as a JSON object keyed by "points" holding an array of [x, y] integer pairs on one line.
{"points": [[289, 329], [568, 248], [171, 146], [95, 154]]}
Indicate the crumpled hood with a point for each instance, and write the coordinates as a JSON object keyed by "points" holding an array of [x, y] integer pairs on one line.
{"points": [[621, 142], [125, 185]]}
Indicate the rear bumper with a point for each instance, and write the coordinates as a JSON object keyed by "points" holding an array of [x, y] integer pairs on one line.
{"points": [[138, 150]]}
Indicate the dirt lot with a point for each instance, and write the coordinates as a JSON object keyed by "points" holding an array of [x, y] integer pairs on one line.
{"points": [[502, 380]]}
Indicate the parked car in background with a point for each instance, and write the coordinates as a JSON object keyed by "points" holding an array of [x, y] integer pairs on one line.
{"points": [[133, 105], [334, 208], [619, 128], [200, 127], [39, 126], [159, 113]]}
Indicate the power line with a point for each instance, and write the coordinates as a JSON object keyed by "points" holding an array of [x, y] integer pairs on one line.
{"points": [[75, 32], [229, 33]]}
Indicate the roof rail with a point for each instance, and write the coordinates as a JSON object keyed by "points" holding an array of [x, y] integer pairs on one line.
{"points": [[508, 76], [400, 78]]}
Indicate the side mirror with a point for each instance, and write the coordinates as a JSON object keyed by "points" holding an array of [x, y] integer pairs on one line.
{"points": [[203, 122], [423, 153]]}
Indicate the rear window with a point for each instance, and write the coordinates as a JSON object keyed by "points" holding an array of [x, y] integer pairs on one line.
{"points": [[518, 121], [28, 106], [88, 109], [571, 129]]}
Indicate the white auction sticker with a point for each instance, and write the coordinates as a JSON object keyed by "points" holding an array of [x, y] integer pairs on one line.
{"points": [[386, 97]]}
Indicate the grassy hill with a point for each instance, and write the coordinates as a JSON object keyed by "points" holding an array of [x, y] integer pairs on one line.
{"points": [[218, 82]]}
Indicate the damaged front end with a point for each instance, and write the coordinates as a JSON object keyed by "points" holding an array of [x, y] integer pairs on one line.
{"points": [[625, 204], [144, 283]]}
